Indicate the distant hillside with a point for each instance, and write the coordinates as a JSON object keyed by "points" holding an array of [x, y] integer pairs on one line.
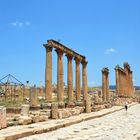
{"points": [[137, 87], [113, 87]]}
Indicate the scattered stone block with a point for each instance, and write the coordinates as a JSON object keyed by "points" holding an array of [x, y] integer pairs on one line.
{"points": [[54, 111], [35, 119], [24, 120], [43, 118], [3, 121]]}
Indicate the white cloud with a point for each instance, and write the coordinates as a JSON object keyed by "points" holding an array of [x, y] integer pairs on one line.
{"points": [[14, 23], [20, 24], [27, 23], [109, 51]]}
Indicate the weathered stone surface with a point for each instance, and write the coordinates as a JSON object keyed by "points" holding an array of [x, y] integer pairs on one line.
{"points": [[105, 84], [60, 73], [84, 79], [78, 87], [24, 120], [54, 111], [33, 97], [24, 110], [3, 121], [124, 81], [88, 105], [43, 118], [60, 116], [66, 114], [48, 74], [35, 118], [75, 111]]}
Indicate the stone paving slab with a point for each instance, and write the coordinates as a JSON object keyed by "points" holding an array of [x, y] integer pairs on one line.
{"points": [[16, 132]]}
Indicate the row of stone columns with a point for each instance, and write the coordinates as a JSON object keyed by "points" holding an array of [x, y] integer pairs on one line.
{"points": [[60, 76], [124, 81]]}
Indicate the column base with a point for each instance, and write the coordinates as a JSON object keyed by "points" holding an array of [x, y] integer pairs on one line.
{"points": [[61, 104], [71, 104], [79, 103], [45, 106]]}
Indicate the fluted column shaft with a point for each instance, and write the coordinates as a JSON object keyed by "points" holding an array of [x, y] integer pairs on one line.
{"points": [[70, 79], [78, 82], [60, 81], [84, 79], [48, 74]]}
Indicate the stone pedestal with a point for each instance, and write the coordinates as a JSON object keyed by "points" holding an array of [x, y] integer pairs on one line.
{"points": [[3, 121], [25, 110], [33, 97], [88, 105], [54, 111]]}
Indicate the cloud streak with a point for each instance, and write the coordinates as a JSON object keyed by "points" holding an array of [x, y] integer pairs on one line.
{"points": [[109, 51], [20, 24]]}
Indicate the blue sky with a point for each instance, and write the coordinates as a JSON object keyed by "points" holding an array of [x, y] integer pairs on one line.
{"points": [[107, 32]]}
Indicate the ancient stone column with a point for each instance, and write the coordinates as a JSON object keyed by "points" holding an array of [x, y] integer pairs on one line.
{"points": [[78, 82], [117, 80], [33, 97], [84, 79], [70, 79], [48, 74], [121, 83], [3, 121], [105, 84], [108, 94], [131, 84], [60, 82]]}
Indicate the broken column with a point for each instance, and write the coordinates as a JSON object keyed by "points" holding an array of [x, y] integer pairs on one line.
{"points": [[33, 97], [3, 121], [54, 111], [88, 105], [25, 110]]}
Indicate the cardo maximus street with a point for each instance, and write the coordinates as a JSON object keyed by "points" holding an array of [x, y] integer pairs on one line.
{"points": [[120, 125]]}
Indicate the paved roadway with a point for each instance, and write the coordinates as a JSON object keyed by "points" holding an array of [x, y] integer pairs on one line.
{"points": [[120, 125]]}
